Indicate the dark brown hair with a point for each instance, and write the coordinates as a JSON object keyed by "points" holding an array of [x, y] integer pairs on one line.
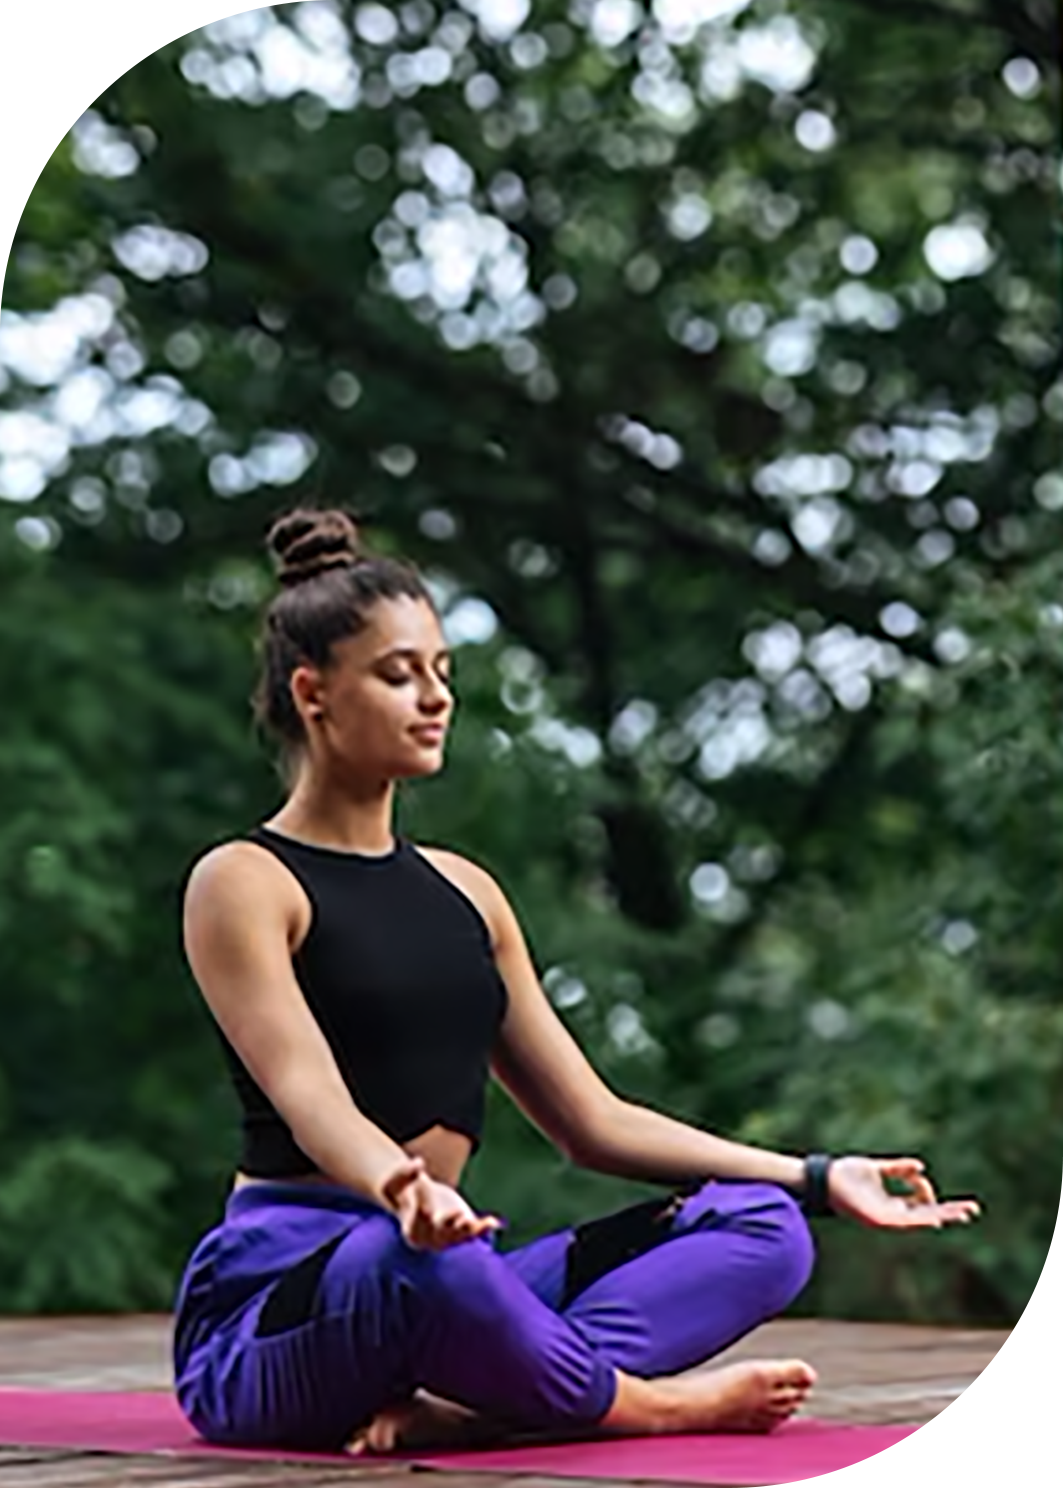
{"points": [[329, 584]]}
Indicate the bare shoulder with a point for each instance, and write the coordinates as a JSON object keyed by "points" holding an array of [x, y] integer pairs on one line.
{"points": [[240, 876], [473, 881]]}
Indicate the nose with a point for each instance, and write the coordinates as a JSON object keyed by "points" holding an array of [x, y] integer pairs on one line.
{"points": [[436, 696]]}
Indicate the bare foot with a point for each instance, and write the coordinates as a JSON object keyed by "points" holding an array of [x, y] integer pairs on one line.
{"points": [[756, 1396], [423, 1421]]}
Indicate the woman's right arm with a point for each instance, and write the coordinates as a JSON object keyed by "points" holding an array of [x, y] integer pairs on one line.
{"points": [[240, 914]]}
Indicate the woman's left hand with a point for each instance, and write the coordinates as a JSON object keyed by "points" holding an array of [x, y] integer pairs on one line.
{"points": [[857, 1188]]}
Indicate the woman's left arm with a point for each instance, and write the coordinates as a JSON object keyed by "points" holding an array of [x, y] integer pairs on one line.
{"points": [[544, 1070]]}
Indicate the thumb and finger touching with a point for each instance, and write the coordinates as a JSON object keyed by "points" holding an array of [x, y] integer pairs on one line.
{"points": [[399, 1182], [946, 1211], [867, 1197]]}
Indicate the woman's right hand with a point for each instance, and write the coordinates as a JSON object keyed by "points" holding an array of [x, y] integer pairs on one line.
{"points": [[432, 1215]]}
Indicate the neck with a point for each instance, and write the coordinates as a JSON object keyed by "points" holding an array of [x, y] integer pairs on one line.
{"points": [[354, 817]]}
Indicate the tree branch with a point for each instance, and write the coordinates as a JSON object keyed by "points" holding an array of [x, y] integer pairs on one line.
{"points": [[1006, 18], [817, 805], [797, 578]]}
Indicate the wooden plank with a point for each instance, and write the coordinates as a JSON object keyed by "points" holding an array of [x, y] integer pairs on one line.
{"points": [[87, 1353], [875, 1373], [20, 1456], [87, 1470], [851, 1352], [96, 1470], [1020, 1475]]}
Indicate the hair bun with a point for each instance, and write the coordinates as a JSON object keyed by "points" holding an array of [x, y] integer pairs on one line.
{"points": [[305, 543]]}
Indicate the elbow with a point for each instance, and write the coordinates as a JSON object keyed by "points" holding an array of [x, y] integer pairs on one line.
{"points": [[576, 1151], [592, 1141]]}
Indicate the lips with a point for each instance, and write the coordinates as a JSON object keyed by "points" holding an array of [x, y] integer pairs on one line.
{"points": [[433, 733]]}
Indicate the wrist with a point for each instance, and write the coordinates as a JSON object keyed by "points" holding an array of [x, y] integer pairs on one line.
{"points": [[791, 1174], [815, 1190]]}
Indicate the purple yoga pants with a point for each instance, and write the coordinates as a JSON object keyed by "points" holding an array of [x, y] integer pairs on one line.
{"points": [[305, 1312]]}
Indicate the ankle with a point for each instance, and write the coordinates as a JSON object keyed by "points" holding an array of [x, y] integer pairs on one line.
{"points": [[643, 1407]]}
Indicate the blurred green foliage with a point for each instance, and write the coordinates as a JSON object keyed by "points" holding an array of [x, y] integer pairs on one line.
{"points": [[721, 363]]}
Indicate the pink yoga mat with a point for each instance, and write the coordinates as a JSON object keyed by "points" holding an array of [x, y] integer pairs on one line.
{"points": [[146, 1422]]}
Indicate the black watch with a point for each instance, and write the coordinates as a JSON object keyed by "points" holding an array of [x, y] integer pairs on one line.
{"points": [[815, 1196]]}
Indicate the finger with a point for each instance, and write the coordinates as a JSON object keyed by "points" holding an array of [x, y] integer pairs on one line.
{"points": [[454, 1219], [474, 1224], [456, 1224], [960, 1211], [447, 1224], [408, 1205], [417, 1232], [956, 1211], [453, 1234], [400, 1181], [472, 1229], [910, 1170], [486, 1224]]}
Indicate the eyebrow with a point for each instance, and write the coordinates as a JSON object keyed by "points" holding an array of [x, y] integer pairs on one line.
{"points": [[412, 653]]}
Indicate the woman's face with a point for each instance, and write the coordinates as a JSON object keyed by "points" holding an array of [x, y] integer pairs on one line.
{"points": [[382, 707]]}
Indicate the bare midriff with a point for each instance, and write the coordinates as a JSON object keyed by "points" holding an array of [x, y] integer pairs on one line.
{"points": [[445, 1153]]}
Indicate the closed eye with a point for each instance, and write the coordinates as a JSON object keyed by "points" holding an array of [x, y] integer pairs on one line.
{"points": [[411, 664], [396, 679]]}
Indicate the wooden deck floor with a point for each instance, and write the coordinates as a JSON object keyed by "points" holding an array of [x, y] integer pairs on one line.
{"points": [[869, 1372]]}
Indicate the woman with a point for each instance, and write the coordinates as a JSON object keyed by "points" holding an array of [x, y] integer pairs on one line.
{"points": [[363, 988]]}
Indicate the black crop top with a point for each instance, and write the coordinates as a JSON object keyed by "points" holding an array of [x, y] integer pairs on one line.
{"points": [[397, 968]]}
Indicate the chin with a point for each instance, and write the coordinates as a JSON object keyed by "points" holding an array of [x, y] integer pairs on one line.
{"points": [[428, 762]]}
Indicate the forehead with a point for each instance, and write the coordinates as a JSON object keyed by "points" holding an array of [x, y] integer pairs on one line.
{"points": [[402, 623]]}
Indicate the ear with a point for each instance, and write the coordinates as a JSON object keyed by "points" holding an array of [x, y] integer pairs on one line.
{"points": [[308, 693]]}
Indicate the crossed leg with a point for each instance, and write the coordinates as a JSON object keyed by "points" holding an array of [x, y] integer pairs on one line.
{"points": [[735, 1255]]}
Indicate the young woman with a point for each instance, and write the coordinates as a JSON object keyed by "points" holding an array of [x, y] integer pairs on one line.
{"points": [[364, 988]]}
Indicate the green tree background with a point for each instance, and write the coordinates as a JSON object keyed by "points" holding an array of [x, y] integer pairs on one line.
{"points": [[707, 357]]}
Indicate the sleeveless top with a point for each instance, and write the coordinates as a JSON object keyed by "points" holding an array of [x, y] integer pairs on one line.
{"points": [[398, 970]]}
